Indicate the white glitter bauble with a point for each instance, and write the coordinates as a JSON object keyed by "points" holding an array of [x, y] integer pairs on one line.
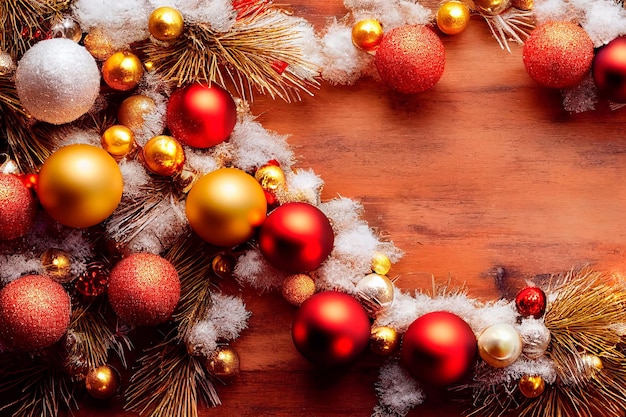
{"points": [[57, 81]]}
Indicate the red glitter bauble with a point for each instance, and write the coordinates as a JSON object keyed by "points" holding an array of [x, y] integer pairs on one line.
{"points": [[531, 301], [439, 349], [609, 70], [201, 116], [331, 329], [144, 289], [34, 313], [558, 54], [17, 207], [296, 237], [410, 59]]}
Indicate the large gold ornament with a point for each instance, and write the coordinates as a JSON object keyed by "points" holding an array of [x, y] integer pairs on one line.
{"points": [[500, 345], [166, 23], [57, 264], [384, 340], [118, 140], [367, 34], [223, 362], [531, 386], [164, 155], [453, 17], [492, 7], [80, 185], [103, 382], [133, 110], [122, 71]]}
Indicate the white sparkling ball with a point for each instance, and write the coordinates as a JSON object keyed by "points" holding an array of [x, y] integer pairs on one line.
{"points": [[57, 81]]}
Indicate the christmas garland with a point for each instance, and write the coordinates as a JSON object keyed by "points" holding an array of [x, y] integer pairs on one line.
{"points": [[125, 202]]}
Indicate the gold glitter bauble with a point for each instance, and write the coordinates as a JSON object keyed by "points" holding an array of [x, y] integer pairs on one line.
{"points": [[500, 345], [164, 155], [492, 7], [122, 71], [297, 288], [166, 23], [453, 17], [223, 362], [118, 140], [532, 386], [222, 265], [133, 111], [98, 44], [367, 34], [57, 264], [376, 291], [384, 340], [103, 382], [381, 264], [271, 177]]}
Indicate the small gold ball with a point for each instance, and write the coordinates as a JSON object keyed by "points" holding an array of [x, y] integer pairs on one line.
{"points": [[271, 177], [532, 386], [98, 44], [297, 288], [122, 71], [367, 34], [384, 340], [500, 345], [118, 140], [103, 382], [590, 364], [166, 23], [492, 7], [223, 362], [523, 4], [376, 292], [57, 264], [164, 155], [453, 17], [133, 111], [381, 264], [222, 265]]}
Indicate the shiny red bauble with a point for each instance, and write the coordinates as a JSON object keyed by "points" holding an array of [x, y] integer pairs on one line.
{"points": [[331, 329], [17, 207], [531, 302], [439, 349], [609, 70], [296, 237], [201, 116]]}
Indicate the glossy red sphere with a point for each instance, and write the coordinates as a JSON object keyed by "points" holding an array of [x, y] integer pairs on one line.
{"points": [[296, 237], [609, 70], [331, 329], [439, 349], [531, 302]]}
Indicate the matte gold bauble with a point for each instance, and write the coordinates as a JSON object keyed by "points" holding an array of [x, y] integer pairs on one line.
{"points": [[384, 340], [103, 382], [492, 7], [532, 386], [381, 264], [500, 345], [164, 155], [133, 111], [223, 362], [376, 291], [297, 288], [271, 177], [118, 140], [166, 23], [98, 44], [57, 264], [367, 34], [122, 71], [453, 17]]}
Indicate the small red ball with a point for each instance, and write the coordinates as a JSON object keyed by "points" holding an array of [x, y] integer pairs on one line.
{"points": [[17, 207], [609, 70], [296, 237], [201, 116], [558, 54], [331, 329], [34, 313], [531, 301], [144, 289], [410, 59], [439, 349]]}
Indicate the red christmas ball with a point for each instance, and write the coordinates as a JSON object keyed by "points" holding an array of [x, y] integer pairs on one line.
{"points": [[201, 116], [17, 207], [296, 237], [410, 59], [34, 313], [531, 301], [144, 289], [558, 54], [439, 349], [331, 329], [609, 70]]}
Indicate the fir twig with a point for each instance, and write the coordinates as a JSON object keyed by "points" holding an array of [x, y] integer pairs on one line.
{"points": [[513, 24]]}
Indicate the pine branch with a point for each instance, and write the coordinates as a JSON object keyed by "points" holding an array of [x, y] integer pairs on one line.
{"points": [[512, 24]]}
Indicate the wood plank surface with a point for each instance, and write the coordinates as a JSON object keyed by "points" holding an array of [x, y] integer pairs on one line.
{"points": [[485, 170]]}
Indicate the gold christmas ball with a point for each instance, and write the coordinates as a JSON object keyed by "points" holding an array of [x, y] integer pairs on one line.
{"points": [[367, 34], [590, 364], [381, 264], [222, 265], [164, 155], [133, 111], [98, 44], [453, 17], [166, 23], [376, 291], [103, 382], [384, 340], [80, 185], [122, 71], [531, 386], [500, 345], [523, 4], [297, 288], [492, 7], [223, 362], [57, 264], [118, 140], [271, 177]]}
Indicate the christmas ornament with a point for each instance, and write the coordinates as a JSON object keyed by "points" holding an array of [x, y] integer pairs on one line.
{"points": [[367, 34], [201, 116], [57, 81], [166, 23], [34, 313], [296, 237], [93, 282], [122, 71], [491, 7], [66, 28], [410, 59], [144, 289], [500, 345], [271, 177], [57, 264], [223, 362], [381, 264], [163, 155], [222, 265], [225, 206], [531, 386], [609, 70], [297, 288], [7, 64], [558, 54], [17, 207], [523, 4], [384, 340], [103, 382], [453, 17], [331, 329], [439, 348], [589, 364], [98, 44], [376, 292], [531, 302], [536, 339], [80, 185], [29, 180], [133, 111], [118, 140]]}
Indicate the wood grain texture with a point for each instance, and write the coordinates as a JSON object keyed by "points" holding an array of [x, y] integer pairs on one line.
{"points": [[484, 170]]}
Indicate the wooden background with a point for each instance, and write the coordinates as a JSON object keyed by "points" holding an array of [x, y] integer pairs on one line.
{"points": [[484, 170]]}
